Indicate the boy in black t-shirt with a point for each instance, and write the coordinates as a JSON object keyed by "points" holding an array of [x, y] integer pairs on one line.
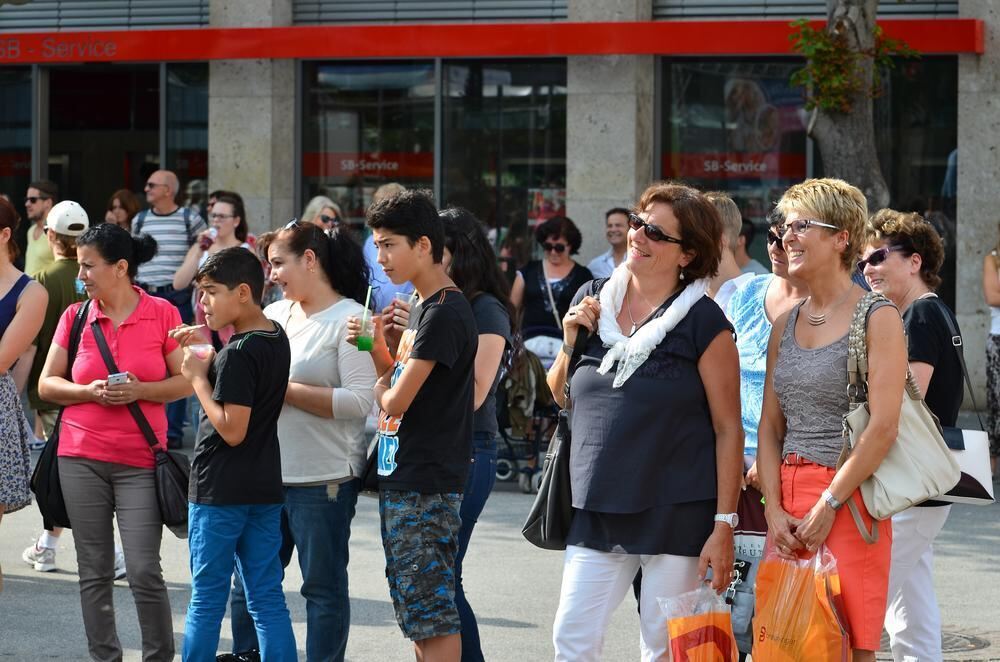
{"points": [[235, 489], [424, 431]]}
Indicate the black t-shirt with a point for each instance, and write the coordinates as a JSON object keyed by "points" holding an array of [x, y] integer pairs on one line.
{"points": [[930, 342], [491, 318], [251, 371], [427, 449]]}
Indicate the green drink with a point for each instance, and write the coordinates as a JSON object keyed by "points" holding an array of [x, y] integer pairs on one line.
{"points": [[365, 343], [366, 339]]}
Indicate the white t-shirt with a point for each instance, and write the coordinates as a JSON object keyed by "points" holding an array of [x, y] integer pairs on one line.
{"points": [[316, 449]]}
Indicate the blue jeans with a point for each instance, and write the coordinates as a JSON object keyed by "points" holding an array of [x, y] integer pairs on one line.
{"points": [[317, 521], [250, 535], [479, 484]]}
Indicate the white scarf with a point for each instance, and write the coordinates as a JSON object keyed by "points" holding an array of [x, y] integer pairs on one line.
{"points": [[630, 353]]}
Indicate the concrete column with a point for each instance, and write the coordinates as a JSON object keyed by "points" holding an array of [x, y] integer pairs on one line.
{"points": [[251, 118], [609, 125], [978, 174]]}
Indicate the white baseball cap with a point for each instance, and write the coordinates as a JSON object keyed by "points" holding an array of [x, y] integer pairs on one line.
{"points": [[67, 218]]}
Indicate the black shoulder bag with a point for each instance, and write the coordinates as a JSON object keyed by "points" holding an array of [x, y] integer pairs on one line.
{"points": [[173, 469], [45, 481], [548, 520]]}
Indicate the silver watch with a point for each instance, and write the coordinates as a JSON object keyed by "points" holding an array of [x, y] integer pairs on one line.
{"points": [[831, 500], [732, 519]]}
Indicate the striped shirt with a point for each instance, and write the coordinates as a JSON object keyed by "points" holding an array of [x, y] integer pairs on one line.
{"points": [[172, 243]]}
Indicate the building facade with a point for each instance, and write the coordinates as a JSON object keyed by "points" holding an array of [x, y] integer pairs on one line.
{"points": [[515, 109]]}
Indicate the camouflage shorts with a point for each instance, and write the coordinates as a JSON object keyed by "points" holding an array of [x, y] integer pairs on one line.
{"points": [[420, 538]]}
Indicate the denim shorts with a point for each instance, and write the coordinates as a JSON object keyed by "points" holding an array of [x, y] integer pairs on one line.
{"points": [[420, 538]]}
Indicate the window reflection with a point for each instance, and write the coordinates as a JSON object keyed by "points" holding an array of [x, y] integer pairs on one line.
{"points": [[187, 131]]}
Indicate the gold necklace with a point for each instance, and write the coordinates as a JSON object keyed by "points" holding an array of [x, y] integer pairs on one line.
{"points": [[819, 320]]}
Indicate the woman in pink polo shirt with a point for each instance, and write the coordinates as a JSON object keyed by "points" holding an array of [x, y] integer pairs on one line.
{"points": [[105, 463]]}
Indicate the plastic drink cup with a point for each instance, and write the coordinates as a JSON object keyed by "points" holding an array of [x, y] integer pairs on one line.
{"points": [[201, 350], [366, 340], [208, 240], [403, 297]]}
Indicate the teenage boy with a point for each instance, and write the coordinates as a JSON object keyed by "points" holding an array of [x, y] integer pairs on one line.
{"points": [[425, 427], [235, 489]]}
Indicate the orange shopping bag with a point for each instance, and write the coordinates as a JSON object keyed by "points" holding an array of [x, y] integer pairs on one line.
{"points": [[798, 610], [699, 627]]}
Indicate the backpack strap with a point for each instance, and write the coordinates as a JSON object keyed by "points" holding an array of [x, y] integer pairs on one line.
{"points": [[139, 220], [75, 333], [187, 227]]}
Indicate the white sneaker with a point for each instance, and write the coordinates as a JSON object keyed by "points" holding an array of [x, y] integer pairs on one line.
{"points": [[119, 565], [41, 559]]}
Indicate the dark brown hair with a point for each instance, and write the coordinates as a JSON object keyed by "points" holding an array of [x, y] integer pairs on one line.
{"points": [[701, 229], [912, 234], [128, 202], [235, 200], [9, 218], [560, 226]]}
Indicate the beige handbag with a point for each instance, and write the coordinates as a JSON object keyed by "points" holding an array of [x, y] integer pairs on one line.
{"points": [[919, 465]]}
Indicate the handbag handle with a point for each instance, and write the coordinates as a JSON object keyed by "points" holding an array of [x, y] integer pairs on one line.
{"points": [[857, 353], [133, 407], [956, 342]]}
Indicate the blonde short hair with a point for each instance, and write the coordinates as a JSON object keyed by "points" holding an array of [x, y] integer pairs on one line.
{"points": [[315, 206], [832, 201], [729, 214]]}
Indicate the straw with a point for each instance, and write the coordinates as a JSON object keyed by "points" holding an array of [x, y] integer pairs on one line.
{"points": [[364, 315]]}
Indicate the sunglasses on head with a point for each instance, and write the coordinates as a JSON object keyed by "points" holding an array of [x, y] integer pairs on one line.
{"points": [[548, 246], [294, 223], [877, 257], [653, 232]]}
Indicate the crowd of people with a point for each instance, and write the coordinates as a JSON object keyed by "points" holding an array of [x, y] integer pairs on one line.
{"points": [[700, 372]]}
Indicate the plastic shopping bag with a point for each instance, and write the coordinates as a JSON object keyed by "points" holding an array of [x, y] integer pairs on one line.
{"points": [[799, 610], [699, 627]]}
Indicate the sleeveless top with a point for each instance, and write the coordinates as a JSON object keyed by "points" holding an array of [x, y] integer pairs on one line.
{"points": [[537, 317], [811, 385], [8, 305]]}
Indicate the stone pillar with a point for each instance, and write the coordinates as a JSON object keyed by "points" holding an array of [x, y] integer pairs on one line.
{"points": [[978, 174], [609, 125], [251, 118]]}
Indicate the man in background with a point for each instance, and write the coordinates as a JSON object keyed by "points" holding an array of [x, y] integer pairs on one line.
{"points": [[616, 232]]}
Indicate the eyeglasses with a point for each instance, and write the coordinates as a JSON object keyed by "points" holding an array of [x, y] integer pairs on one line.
{"points": [[800, 227], [32, 199], [219, 217], [328, 219], [652, 231], [877, 257], [774, 239], [150, 185], [548, 246]]}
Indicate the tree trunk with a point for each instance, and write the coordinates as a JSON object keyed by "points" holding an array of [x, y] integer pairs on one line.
{"points": [[846, 141]]}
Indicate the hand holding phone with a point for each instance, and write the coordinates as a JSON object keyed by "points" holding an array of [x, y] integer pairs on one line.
{"points": [[117, 378]]}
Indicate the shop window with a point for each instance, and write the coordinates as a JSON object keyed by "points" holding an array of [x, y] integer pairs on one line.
{"points": [[504, 142], [187, 130], [15, 137], [364, 125]]}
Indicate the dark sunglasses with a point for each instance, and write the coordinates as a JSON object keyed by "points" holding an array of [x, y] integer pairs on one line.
{"points": [[294, 223], [549, 246], [32, 199], [774, 239], [653, 232], [876, 258], [328, 219]]}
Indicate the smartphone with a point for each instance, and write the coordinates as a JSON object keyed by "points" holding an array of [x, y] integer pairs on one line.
{"points": [[117, 378]]}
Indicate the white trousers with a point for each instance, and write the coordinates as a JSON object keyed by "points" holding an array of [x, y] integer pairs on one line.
{"points": [[912, 617], [594, 584]]}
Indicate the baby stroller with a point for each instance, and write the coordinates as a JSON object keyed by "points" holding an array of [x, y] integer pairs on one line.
{"points": [[527, 415]]}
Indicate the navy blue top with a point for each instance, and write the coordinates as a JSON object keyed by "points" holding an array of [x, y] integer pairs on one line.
{"points": [[8, 305]]}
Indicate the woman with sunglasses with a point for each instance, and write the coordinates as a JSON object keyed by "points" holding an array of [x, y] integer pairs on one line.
{"points": [[800, 436], [546, 287], [322, 211], [657, 444], [902, 261]]}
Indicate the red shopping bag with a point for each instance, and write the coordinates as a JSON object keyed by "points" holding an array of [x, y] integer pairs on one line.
{"points": [[799, 611], [699, 628]]}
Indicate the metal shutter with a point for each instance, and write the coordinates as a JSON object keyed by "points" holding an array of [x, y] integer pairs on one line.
{"points": [[791, 8], [389, 11], [38, 15]]}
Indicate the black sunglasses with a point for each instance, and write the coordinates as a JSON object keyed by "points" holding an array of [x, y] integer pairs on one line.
{"points": [[652, 231], [549, 246], [32, 199], [773, 239], [877, 257], [328, 219]]}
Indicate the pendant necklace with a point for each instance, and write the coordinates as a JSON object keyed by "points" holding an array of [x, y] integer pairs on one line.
{"points": [[628, 309], [819, 320]]}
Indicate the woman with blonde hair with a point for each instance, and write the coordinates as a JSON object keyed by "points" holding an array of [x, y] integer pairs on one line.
{"points": [[800, 436], [322, 211]]}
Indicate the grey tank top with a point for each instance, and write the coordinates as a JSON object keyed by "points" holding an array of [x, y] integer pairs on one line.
{"points": [[811, 385]]}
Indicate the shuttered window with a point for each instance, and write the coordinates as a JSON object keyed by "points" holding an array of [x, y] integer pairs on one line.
{"points": [[38, 15], [390, 11], [791, 8]]}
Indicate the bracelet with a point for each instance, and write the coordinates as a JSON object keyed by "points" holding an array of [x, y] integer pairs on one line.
{"points": [[567, 350]]}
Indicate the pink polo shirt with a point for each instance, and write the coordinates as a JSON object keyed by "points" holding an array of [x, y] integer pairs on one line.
{"points": [[140, 346]]}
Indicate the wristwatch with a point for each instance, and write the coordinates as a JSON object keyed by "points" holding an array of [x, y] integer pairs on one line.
{"points": [[567, 350], [732, 519], [831, 500]]}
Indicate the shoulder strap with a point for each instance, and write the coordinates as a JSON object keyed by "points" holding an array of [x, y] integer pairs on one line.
{"points": [[140, 218], [133, 407], [187, 226], [857, 349], [75, 333], [956, 342], [552, 301], [582, 335]]}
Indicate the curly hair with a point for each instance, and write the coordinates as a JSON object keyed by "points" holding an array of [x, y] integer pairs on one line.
{"points": [[560, 226], [912, 235], [700, 225]]}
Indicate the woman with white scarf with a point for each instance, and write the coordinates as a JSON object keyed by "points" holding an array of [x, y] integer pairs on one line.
{"points": [[657, 448]]}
